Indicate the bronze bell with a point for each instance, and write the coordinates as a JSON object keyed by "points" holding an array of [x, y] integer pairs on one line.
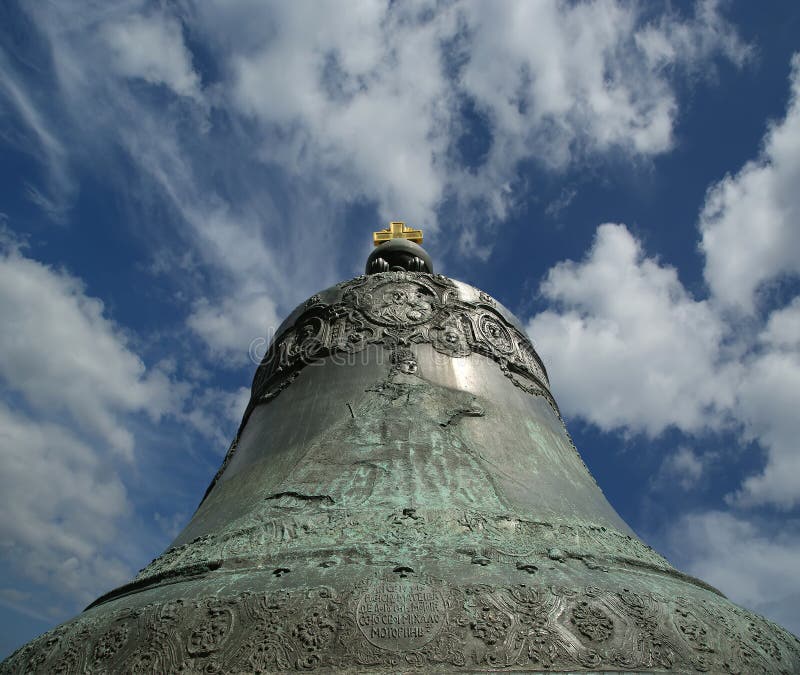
{"points": [[403, 495]]}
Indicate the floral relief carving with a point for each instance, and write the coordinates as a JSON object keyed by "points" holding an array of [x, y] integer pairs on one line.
{"points": [[475, 626], [68, 660], [592, 622], [491, 625], [212, 631], [111, 642], [315, 631], [496, 334]]}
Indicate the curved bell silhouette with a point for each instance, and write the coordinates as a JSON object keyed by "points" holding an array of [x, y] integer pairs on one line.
{"points": [[402, 494]]}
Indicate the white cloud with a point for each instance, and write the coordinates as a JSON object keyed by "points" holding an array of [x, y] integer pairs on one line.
{"points": [[171, 525], [670, 40], [307, 109], [555, 208], [629, 347], [380, 114], [67, 441], [234, 405], [152, 48], [750, 223], [62, 507], [216, 414], [67, 458], [782, 330], [558, 78], [63, 355], [766, 404], [248, 276], [358, 94], [752, 563], [571, 81], [40, 140], [684, 468], [230, 326]]}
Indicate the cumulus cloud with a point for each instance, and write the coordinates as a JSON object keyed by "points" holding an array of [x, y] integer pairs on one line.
{"points": [[752, 562], [750, 222], [359, 94], [626, 344], [782, 330], [62, 354], [629, 349], [62, 505], [562, 80], [73, 391], [767, 405]]}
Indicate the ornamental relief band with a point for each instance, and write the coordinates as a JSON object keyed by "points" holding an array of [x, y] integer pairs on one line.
{"points": [[271, 537], [396, 309], [402, 624]]}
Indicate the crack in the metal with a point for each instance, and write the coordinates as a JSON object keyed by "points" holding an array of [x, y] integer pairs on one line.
{"points": [[302, 497], [457, 415]]}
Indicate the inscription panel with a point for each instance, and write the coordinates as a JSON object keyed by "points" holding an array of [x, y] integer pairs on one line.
{"points": [[400, 615]]}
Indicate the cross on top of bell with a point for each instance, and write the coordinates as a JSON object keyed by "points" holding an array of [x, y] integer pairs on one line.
{"points": [[397, 230]]}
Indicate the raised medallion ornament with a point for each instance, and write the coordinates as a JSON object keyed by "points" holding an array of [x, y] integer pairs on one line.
{"points": [[400, 614]]}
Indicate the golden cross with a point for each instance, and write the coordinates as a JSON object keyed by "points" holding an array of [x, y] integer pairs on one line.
{"points": [[397, 230]]}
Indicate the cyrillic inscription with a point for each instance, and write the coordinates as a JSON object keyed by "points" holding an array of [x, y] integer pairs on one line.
{"points": [[400, 615]]}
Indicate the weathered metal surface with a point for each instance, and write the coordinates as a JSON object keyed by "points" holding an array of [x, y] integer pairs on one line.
{"points": [[342, 617], [402, 494]]}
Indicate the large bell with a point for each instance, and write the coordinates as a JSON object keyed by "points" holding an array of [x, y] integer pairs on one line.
{"points": [[402, 494]]}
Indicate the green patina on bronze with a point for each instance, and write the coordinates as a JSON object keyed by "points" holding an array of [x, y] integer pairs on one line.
{"points": [[403, 495]]}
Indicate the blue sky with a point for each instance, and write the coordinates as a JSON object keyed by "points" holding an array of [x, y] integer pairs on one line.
{"points": [[176, 177]]}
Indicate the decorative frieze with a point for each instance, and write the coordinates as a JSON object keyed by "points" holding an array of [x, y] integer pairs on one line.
{"points": [[404, 622]]}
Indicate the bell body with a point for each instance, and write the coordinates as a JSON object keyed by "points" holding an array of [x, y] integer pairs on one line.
{"points": [[402, 494]]}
